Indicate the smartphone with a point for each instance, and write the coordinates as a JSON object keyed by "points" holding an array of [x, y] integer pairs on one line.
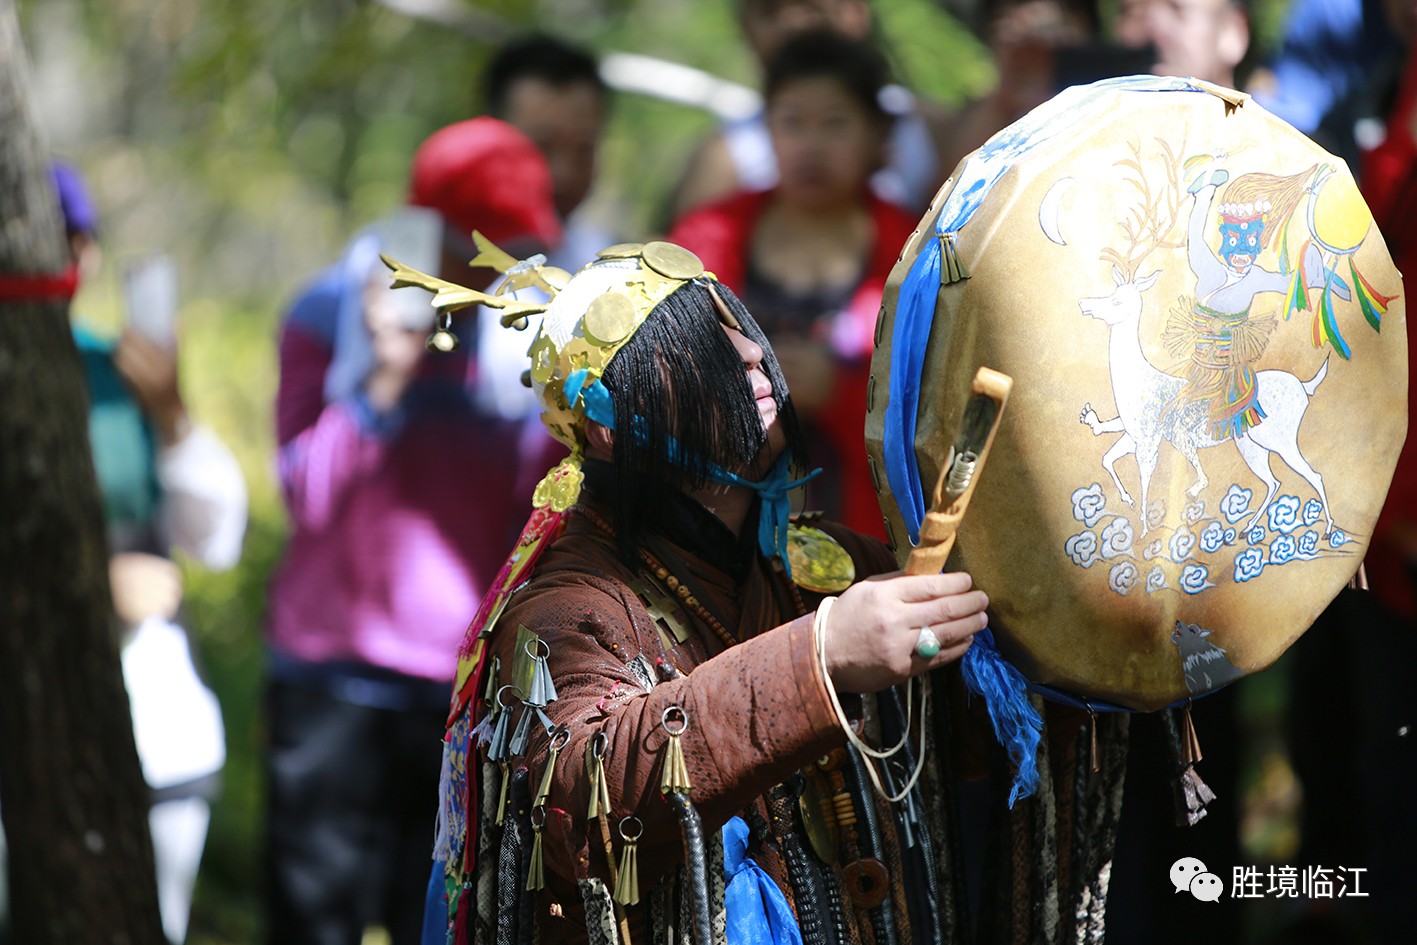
{"points": [[413, 236], [150, 297]]}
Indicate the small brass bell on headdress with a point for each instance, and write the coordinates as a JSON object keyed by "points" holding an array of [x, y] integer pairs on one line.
{"points": [[443, 341]]}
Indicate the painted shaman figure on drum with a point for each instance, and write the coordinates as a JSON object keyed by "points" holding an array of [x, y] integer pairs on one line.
{"points": [[1268, 261]]}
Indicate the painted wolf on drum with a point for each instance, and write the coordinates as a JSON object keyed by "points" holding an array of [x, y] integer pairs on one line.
{"points": [[1208, 343]]}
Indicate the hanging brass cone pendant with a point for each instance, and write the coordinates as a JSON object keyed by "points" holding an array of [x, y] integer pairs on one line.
{"points": [[543, 689], [502, 796], [517, 747], [952, 269], [599, 790], [535, 874], [676, 774], [501, 735], [627, 884], [543, 790]]}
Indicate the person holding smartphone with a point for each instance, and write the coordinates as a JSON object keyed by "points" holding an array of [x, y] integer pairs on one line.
{"points": [[166, 483], [400, 488]]}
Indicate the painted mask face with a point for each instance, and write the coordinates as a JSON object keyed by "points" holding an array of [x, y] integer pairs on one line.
{"points": [[1240, 243]]}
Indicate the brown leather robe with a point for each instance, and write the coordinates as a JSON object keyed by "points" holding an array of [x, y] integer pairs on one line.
{"points": [[757, 710]]}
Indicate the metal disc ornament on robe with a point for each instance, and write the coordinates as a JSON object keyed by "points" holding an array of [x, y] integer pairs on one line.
{"points": [[1208, 343], [819, 563]]}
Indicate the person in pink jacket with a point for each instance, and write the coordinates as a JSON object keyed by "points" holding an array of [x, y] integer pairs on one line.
{"points": [[399, 491]]}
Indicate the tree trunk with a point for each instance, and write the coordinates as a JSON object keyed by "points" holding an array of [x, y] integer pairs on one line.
{"points": [[72, 794]]}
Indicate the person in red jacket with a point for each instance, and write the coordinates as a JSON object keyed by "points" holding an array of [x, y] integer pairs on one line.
{"points": [[811, 256]]}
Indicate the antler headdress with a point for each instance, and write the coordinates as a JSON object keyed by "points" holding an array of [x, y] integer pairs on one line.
{"points": [[588, 319]]}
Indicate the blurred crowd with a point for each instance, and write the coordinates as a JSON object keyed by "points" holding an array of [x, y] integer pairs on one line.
{"points": [[406, 475]]}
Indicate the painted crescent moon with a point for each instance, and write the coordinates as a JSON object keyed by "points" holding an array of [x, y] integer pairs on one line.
{"points": [[1050, 208]]}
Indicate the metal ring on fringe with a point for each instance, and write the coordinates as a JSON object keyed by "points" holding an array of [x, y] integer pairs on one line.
{"points": [[498, 697], [532, 652], [537, 824], [664, 720], [564, 736], [599, 742], [638, 833]]}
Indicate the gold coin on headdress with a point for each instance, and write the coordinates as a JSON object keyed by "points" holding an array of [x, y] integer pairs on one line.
{"points": [[818, 562], [621, 250], [676, 262], [610, 317], [554, 278]]}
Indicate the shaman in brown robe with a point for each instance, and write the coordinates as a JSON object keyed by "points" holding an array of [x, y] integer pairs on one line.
{"points": [[758, 713]]}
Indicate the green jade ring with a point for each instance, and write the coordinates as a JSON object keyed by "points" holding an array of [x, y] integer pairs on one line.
{"points": [[928, 645]]}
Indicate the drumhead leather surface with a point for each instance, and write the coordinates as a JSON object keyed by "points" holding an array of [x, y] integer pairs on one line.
{"points": [[1207, 338]]}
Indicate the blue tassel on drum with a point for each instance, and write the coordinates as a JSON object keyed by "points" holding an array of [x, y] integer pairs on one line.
{"points": [[1017, 724]]}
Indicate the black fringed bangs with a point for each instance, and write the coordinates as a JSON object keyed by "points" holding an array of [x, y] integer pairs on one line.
{"points": [[682, 388]]}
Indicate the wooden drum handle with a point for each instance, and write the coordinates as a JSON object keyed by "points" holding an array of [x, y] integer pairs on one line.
{"points": [[988, 395]]}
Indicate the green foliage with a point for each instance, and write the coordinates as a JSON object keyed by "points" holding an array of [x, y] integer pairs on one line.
{"points": [[934, 54]]}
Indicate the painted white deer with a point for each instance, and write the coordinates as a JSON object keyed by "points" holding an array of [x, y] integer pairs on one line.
{"points": [[1143, 394]]}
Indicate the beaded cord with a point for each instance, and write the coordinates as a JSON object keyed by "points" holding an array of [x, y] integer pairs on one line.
{"points": [[665, 576]]}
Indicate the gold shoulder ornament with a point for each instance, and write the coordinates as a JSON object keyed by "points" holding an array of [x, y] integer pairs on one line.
{"points": [[819, 563]]}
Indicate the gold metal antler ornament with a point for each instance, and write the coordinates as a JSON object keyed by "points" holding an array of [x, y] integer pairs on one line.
{"points": [[633, 278], [529, 273], [451, 297]]}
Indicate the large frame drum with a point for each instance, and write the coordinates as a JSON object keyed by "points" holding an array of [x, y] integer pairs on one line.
{"points": [[1207, 338]]}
